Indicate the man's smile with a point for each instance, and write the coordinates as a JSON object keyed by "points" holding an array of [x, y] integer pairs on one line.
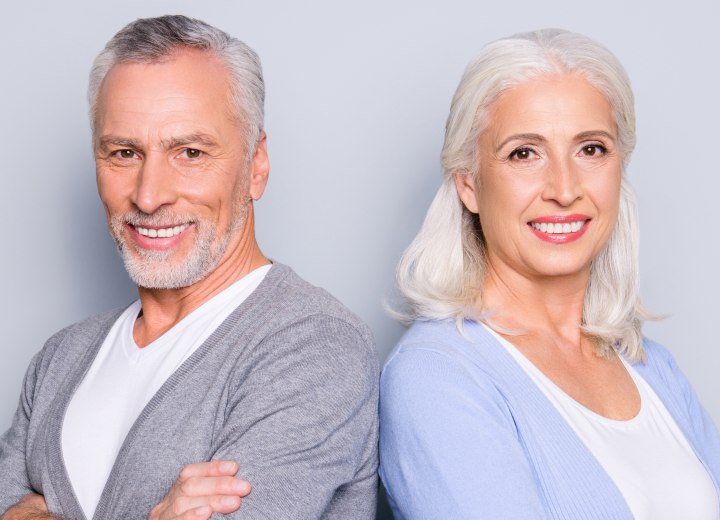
{"points": [[161, 232]]}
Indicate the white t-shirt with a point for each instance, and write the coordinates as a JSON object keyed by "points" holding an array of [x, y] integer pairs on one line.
{"points": [[647, 456], [124, 377]]}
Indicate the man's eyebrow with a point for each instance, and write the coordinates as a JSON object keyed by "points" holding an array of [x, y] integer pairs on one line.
{"points": [[107, 141], [183, 140]]}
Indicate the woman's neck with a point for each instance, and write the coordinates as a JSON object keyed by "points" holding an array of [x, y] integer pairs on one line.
{"points": [[544, 305]]}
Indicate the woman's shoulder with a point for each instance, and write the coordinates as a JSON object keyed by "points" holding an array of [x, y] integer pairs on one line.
{"points": [[660, 370], [438, 354], [430, 335], [658, 361], [443, 341], [436, 364]]}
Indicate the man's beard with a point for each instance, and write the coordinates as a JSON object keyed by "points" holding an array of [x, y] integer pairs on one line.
{"points": [[152, 269]]}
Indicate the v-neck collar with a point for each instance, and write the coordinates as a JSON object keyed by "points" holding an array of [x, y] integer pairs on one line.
{"points": [[604, 498], [59, 474]]}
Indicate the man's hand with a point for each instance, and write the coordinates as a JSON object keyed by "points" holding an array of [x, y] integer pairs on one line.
{"points": [[201, 490], [31, 507]]}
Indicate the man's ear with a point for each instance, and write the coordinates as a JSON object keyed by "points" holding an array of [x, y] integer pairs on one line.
{"points": [[259, 168], [467, 190]]}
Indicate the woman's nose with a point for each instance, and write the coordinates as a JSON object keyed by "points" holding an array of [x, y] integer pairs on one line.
{"points": [[563, 183]]}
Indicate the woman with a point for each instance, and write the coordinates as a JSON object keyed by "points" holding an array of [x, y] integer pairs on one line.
{"points": [[524, 389]]}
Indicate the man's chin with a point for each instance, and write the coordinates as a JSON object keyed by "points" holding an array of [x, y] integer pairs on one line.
{"points": [[173, 268], [150, 275]]}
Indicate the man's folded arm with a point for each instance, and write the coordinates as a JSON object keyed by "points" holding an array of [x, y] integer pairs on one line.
{"points": [[303, 425], [18, 500], [14, 481], [30, 507]]}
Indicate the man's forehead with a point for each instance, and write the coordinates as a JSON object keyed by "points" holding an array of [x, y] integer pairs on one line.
{"points": [[193, 85]]}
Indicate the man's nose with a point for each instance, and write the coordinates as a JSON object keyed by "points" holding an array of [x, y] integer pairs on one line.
{"points": [[156, 184]]}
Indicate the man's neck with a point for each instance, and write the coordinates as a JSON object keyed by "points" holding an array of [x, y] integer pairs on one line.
{"points": [[163, 308]]}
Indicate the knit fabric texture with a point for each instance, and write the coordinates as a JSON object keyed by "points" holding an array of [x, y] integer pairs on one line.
{"points": [[286, 386], [465, 433]]}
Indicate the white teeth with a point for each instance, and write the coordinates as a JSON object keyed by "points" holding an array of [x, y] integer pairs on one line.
{"points": [[162, 232], [565, 227]]}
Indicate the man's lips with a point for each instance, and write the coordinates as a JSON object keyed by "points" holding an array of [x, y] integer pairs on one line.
{"points": [[160, 231], [158, 237]]}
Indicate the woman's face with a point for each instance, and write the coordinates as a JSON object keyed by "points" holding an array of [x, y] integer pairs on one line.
{"points": [[548, 187]]}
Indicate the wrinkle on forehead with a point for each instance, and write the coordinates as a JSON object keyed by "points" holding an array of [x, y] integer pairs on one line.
{"points": [[164, 89]]}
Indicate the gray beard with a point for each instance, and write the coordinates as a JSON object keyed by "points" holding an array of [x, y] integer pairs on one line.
{"points": [[151, 269]]}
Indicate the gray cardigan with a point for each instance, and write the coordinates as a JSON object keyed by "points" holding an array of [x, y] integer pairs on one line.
{"points": [[286, 386]]}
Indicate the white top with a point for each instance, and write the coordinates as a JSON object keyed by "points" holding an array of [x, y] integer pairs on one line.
{"points": [[647, 457], [124, 377]]}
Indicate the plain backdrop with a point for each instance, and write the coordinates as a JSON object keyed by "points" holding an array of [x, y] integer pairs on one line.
{"points": [[357, 97]]}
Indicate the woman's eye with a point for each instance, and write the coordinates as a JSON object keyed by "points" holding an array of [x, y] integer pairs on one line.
{"points": [[592, 150], [522, 154]]}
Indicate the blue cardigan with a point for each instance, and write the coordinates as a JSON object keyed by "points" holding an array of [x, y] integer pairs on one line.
{"points": [[465, 433]]}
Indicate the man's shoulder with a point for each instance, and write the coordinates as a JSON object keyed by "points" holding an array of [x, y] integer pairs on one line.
{"points": [[81, 334], [288, 322], [88, 326], [291, 300]]}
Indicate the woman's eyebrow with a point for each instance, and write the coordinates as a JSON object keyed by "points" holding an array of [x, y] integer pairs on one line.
{"points": [[595, 133], [522, 137]]}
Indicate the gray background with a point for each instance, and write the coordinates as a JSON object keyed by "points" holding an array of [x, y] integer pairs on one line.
{"points": [[357, 96]]}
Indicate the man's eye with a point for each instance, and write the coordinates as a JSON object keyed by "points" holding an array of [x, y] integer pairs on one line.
{"points": [[522, 154], [192, 153], [124, 154]]}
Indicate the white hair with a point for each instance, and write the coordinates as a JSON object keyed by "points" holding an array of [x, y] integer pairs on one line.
{"points": [[441, 273], [153, 40]]}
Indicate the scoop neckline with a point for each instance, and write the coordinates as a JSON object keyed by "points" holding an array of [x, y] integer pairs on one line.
{"points": [[526, 364]]}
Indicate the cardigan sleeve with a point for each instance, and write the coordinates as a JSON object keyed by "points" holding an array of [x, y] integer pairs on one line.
{"points": [[448, 444], [303, 425], [14, 481]]}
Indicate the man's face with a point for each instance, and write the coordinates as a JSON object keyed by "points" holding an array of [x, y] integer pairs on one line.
{"points": [[173, 170]]}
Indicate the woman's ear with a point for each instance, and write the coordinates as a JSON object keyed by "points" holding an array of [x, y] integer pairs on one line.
{"points": [[467, 190]]}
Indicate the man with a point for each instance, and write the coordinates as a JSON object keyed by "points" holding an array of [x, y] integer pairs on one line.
{"points": [[229, 373]]}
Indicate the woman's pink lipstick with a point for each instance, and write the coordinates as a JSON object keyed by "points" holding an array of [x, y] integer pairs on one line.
{"points": [[560, 229]]}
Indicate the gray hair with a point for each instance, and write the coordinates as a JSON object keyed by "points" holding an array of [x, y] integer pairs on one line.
{"points": [[441, 273], [152, 40]]}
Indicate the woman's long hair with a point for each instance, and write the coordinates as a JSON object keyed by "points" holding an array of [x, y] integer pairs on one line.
{"points": [[441, 273]]}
